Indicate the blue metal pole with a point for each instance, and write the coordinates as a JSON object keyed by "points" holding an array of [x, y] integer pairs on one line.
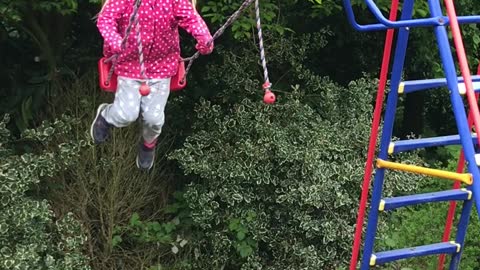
{"points": [[468, 19], [388, 24], [398, 63], [462, 125], [402, 23], [361, 28]]}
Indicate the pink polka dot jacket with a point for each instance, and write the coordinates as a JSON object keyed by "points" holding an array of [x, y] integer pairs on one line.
{"points": [[159, 21]]}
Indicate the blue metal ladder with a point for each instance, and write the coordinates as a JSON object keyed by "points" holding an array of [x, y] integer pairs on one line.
{"points": [[465, 138]]}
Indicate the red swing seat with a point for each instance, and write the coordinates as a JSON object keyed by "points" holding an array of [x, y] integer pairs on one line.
{"points": [[176, 83]]}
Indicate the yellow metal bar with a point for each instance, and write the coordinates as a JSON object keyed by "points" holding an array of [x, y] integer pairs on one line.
{"points": [[462, 177]]}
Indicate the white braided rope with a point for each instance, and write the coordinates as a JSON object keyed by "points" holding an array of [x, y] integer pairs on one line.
{"points": [[262, 49]]}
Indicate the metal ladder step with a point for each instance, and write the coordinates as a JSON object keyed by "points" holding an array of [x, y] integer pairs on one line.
{"points": [[441, 196], [462, 177], [418, 85], [405, 253], [414, 144]]}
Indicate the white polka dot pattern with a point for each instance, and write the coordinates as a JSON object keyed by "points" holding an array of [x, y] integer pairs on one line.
{"points": [[159, 21]]}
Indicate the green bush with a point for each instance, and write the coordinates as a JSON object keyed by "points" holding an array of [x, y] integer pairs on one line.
{"points": [[32, 236], [277, 187], [121, 207]]}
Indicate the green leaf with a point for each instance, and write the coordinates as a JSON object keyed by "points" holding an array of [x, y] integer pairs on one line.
{"points": [[237, 197], [234, 224], [169, 227], [156, 267], [245, 251], [116, 240], [251, 216], [135, 220], [240, 235], [154, 226], [165, 239], [390, 242], [251, 242], [476, 39]]}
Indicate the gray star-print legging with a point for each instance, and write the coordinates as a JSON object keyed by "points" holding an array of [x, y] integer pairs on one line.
{"points": [[129, 103]]}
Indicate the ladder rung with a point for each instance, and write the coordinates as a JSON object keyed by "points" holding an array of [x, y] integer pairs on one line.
{"points": [[418, 85], [442, 196], [398, 254], [408, 145], [462, 177]]}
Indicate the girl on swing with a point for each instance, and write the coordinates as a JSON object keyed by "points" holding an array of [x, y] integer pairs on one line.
{"points": [[158, 24]]}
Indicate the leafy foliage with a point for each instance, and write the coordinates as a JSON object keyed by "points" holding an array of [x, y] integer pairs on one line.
{"points": [[279, 185], [217, 12], [31, 236], [43, 43], [267, 187], [169, 233]]}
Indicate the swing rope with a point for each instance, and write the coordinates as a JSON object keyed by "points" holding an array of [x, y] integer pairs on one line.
{"points": [[140, 47], [266, 84], [218, 33], [221, 30], [134, 21]]}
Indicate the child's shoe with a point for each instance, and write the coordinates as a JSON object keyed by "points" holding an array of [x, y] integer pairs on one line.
{"points": [[100, 129], [146, 155]]}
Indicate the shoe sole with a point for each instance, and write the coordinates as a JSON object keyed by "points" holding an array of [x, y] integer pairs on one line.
{"points": [[99, 110]]}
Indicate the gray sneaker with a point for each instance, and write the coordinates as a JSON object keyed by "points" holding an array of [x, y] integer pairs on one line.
{"points": [[145, 157], [100, 128]]}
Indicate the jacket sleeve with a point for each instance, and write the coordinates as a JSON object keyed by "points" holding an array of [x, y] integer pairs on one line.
{"points": [[107, 23], [191, 21]]}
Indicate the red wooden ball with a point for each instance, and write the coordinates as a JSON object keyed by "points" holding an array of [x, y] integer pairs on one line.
{"points": [[144, 89]]}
